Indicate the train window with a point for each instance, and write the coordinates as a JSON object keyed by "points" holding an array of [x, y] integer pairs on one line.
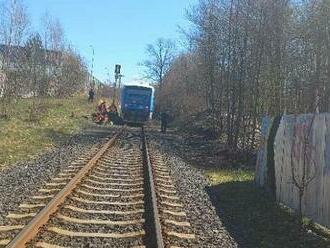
{"points": [[137, 98]]}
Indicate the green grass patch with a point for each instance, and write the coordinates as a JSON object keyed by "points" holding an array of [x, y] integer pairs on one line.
{"points": [[229, 175], [252, 217], [36, 125]]}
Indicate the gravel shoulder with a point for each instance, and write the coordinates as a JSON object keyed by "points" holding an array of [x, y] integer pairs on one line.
{"points": [[191, 185], [23, 179], [222, 203]]}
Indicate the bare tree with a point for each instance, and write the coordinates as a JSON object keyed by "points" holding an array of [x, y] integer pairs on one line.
{"points": [[303, 166], [54, 43], [253, 58], [302, 177], [73, 74], [160, 57], [14, 22], [14, 26], [35, 65], [34, 62]]}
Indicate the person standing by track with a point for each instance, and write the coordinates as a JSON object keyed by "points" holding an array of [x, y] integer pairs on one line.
{"points": [[164, 121], [91, 95]]}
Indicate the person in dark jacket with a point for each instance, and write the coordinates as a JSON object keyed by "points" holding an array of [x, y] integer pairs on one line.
{"points": [[91, 95], [163, 120]]}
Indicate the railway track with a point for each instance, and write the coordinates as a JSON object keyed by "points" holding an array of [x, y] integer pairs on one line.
{"points": [[119, 196]]}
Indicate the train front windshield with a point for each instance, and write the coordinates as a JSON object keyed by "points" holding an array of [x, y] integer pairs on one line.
{"points": [[137, 98]]}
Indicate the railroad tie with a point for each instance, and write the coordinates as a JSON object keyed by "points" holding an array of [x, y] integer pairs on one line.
{"points": [[180, 235], [10, 228], [96, 235], [48, 245], [92, 211], [98, 221], [115, 184], [20, 216], [4, 241], [111, 189], [174, 213], [31, 206]]}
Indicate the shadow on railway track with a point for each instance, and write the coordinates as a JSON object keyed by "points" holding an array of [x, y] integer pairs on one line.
{"points": [[254, 220]]}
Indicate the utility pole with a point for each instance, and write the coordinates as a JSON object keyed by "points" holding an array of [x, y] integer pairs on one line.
{"points": [[92, 83], [108, 75]]}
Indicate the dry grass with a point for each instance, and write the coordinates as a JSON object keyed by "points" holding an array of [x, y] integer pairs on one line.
{"points": [[229, 175], [34, 122]]}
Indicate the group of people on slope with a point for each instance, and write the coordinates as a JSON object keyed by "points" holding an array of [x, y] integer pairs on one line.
{"points": [[105, 114]]}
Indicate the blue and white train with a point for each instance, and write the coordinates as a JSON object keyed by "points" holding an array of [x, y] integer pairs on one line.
{"points": [[137, 103]]}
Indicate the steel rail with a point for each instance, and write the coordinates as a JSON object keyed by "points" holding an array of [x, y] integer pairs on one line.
{"points": [[155, 232], [33, 227]]}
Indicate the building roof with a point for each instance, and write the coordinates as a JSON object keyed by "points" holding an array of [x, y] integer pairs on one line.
{"points": [[17, 53]]}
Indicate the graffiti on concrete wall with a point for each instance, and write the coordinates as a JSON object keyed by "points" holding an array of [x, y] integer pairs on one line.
{"points": [[290, 155]]}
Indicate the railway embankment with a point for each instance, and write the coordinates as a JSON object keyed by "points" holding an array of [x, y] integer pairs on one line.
{"points": [[34, 150], [34, 126]]}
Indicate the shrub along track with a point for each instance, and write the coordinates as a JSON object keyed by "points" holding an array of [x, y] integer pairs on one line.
{"points": [[115, 197]]}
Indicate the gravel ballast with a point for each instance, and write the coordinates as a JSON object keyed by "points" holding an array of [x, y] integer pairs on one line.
{"points": [[19, 181], [206, 224], [190, 184]]}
